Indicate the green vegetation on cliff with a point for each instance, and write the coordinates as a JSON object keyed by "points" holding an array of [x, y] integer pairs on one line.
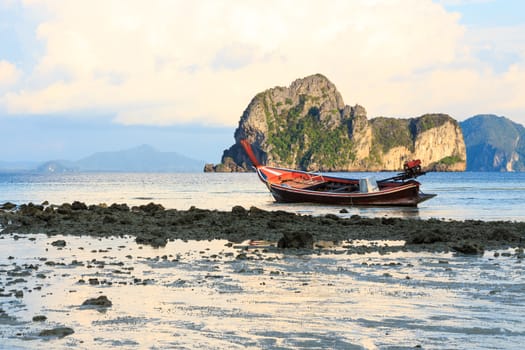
{"points": [[451, 160], [389, 133], [297, 136], [427, 122]]}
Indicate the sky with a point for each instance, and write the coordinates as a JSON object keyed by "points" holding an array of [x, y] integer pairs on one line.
{"points": [[78, 77]]}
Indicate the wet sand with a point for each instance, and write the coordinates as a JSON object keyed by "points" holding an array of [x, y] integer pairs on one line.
{"points": [[153, 225], [81, 277]]}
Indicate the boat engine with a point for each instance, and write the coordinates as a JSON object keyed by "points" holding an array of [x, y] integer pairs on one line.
{"points": [[412, 168]]}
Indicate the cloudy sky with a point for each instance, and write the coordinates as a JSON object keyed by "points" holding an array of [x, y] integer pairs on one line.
{"points": [[84, 76]]}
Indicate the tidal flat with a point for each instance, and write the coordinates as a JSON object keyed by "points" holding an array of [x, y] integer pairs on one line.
{"points": [[83, 277]]}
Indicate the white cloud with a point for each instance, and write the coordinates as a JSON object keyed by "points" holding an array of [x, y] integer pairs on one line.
{"points": [[9, 74], [462, 2], [165, 62]]}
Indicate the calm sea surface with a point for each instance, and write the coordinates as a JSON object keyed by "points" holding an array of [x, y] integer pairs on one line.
{"points": [[212, 295], [469, 195]]}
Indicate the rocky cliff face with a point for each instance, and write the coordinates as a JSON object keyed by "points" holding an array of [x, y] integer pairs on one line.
{"points": [[307, 126], [494, 144]]}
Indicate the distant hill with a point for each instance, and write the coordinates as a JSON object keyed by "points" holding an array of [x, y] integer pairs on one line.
{"points": [[494, 143], [57, 166], [139, 159]]}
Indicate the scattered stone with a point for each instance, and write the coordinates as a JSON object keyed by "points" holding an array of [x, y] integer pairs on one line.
{"points": [[15, 281], [101, 301], [469, 248], [65, 209], [420, 237], [241, 256], [78, 206], [94, 281], [8, 206], [388, 221], [332, 217], [59, 243], [154, 239], [297, 240], [238, 210], [119, 207], [151, 208], [59, 332]]}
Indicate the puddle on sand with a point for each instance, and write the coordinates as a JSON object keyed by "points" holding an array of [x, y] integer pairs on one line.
{"points": [[212, 294]]}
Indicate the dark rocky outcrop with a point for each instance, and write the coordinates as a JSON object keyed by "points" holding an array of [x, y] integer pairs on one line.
{"points": [[157, 227]]}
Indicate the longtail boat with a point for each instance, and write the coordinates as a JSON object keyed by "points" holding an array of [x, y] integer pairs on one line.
{"points": [[296, 186]]}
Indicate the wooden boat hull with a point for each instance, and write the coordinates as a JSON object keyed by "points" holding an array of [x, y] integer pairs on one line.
{"points": [[407, 195], [295, 186], [284, 185]]}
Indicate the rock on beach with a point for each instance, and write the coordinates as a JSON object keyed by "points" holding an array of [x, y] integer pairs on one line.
{"points": [[59, 332], [154, 225], [101, 301]]}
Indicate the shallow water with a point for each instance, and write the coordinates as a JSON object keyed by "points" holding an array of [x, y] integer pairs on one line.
{"points": [[480, 196], [209, 294]]}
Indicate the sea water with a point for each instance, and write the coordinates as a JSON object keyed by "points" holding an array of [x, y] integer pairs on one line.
{"points": [[212, 295], [460, 196]]}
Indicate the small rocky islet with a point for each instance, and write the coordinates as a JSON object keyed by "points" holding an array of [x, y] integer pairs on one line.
{"points": [[154, 225]]}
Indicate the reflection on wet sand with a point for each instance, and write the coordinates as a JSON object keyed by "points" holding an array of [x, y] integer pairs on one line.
{"points": [[213, 294]]}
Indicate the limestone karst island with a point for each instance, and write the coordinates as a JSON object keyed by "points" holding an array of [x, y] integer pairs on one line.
{"points": [[308, 126]]}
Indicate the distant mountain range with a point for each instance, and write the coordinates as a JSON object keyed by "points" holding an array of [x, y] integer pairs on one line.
{"points": [[494, 143], [143, 158]]}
